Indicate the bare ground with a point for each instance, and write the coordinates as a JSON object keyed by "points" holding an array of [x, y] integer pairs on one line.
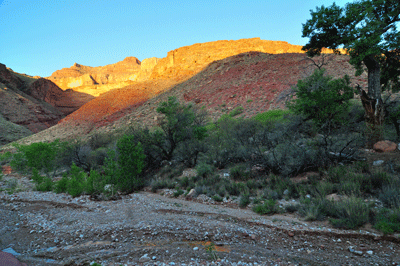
{"points": [[55, 229]]}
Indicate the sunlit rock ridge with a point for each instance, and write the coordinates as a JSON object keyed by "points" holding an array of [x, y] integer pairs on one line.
{"points": [[179, 64]]}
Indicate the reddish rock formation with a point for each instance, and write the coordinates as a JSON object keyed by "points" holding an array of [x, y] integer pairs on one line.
{"points": [[35, 104], [65, 101]]}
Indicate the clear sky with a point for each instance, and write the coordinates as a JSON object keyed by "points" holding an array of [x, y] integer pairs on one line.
{"points": [[38, 37]]}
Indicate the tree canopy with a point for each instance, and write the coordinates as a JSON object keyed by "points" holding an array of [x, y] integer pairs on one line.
{"points": [[367, 29]]}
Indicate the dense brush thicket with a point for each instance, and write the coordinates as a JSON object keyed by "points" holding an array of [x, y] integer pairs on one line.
{"points": [[249, 159]]}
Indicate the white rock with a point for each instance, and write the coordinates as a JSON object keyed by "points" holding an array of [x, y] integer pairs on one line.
{"points": [[196, 248], [377, 163], [370, 252], [144, 258]]}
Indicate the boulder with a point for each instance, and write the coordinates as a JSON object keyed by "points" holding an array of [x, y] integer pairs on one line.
{"points": [[9, 260], [385, 146], [6, 169]]}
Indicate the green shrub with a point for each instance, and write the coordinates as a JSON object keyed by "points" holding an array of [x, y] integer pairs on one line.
{"points": [[130, 163], [46, 185], [217, 198], [272, 115], [161, 183], [42, 156], [390, 195], [387, 221], [41, 183], [323, 99], [5, 157], [316, 209], [77, 181], [244, 200], [178, 193], [203, 169], [239, 172], [269, 207], [237, 111], [350, 213], [62, 184], [95, 183]]}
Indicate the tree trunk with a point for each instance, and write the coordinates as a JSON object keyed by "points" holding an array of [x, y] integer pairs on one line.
{"points": [[372, 102]]}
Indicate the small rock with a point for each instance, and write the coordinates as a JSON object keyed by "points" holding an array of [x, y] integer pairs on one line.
{"points": [[370, 252], [378, 162], [291, 234], [196, 248], [154, 258], [191, 194], [144, 258], [11, 251]]}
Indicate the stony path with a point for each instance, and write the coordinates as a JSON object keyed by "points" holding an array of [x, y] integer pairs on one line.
{"points": [[149, 229]]}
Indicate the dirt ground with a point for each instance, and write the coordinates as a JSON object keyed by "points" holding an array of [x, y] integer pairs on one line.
{"points": [[150, 229]]}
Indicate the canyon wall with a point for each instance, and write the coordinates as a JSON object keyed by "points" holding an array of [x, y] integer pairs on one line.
{"points": [[179, 65]]}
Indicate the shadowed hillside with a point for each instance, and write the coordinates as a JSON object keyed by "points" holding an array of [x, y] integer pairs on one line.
{"points": [[29, 105], [255, 81]]}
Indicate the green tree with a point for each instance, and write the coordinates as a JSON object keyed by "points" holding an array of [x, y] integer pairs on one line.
{"points": [[322, 99], [179, 124], [367, 30], [131, 163]]}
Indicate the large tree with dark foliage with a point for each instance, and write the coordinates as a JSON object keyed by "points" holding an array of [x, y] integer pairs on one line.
{"points": [[367, 30]]}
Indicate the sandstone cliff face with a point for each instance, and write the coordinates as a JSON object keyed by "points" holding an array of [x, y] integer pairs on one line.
{"points": [[97, 80], [179, 64], [189, 60]]}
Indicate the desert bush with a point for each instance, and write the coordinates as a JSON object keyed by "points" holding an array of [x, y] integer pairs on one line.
{"points": [[61, 185], [350, 213], [203, 169], [272, 116], [100, 140], [76, 183], [268, 207], [239, 172], [162, 183], [315, 209], [42, 183], [178, 193], [217, 198], [387, 221], [95, 183], [244, 200], [5, 157], [236, 111], [390, 195]]}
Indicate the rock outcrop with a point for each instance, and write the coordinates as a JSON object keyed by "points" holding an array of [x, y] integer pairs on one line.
{"points": [[97, 80], [29, 105], [189, 60], [178, 65], [65, 101]]}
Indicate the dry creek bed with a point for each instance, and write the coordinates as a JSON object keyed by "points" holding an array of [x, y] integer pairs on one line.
{"points": [[150, 229]]}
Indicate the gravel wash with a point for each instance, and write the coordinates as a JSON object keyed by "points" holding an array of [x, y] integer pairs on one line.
{"points": [[149, 229]]}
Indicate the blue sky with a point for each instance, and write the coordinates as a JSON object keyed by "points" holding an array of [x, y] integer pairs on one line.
{"points": [[38, 37]]}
